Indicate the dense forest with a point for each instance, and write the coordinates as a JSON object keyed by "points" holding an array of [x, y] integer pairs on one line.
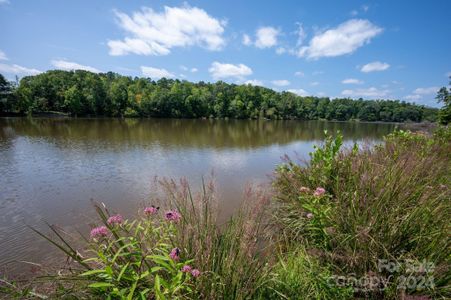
{"points": [[83, 93]]}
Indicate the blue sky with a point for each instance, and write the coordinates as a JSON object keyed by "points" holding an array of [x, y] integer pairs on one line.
{"points": [[382, 49]]}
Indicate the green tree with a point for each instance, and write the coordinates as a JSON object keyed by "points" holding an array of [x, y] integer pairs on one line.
{"points": [[444, 96]]}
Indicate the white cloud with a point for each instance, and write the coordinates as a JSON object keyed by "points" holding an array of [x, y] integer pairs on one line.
{"points": [[223, 70], [154, 33], [419, 93], [412, 97], [194, 70], [375, 66], [3, 55], [17, 70], [299, 92], [281, 82], [354, 13], [314, 83], [301, 35], [266, 37], [426, 91], [371, 92], [156, 73], [68, 65], [4, 2], [246, 40], [281, 50], [365, 8], [255, 82], [343, 39], [184, 68], [351, 81], [448, 74], [299, 73]]}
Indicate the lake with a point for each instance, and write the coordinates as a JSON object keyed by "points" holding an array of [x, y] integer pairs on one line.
{"points": [[51, 168]]}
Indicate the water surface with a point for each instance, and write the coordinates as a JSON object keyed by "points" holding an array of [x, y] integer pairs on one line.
{"points": [[51, 168]]}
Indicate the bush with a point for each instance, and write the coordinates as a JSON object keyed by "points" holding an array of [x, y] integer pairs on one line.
{"points": [[383, 203]]}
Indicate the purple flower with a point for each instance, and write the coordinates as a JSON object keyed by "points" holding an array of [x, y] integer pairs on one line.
{"points": [[175, 254], [186, 269], [319, 192], [116, 219], [101, 231], [173, 215], [309, 216], [151, 210], [195, 273], [304, 189]]}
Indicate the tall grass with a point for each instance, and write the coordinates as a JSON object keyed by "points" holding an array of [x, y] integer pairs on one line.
{"points": [[386, 203], [232, 254]]}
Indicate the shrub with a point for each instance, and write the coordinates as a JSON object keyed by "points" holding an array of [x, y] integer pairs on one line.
{"points": [[389, 202], [131, 259]]}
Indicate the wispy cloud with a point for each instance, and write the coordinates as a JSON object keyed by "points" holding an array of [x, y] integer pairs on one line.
{"points": [[299, 92], [371, 92], [343, 39], [351, 81], [69, 65], [18, 70], [299, 73], [426, 90], [247, 40], [225, 70], [280, 82], [155, 33], [156, 73], [255, 82], [375, 66], [3, 55]]}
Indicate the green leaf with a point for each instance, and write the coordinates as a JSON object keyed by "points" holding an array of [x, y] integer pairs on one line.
{"points": [[92, 272], [100, 284]]}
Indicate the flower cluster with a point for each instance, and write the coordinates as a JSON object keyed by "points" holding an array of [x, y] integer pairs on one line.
{"points": [[189, 269], [175, 254], [319, 192], [116, 219], [101, 231], [173, 216], [151, 210]]}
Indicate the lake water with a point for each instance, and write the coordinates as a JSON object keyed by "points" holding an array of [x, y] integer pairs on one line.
{"points": [[51, 168]]}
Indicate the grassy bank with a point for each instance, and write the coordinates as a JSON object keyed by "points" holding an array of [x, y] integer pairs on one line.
{"points": [[368, 222]]}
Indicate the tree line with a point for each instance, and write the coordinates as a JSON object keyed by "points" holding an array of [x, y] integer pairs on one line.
{"points": [[83, 93]]}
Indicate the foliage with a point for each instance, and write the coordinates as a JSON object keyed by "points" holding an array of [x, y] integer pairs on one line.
{"points": [[130, 259], [444, 96], [298, 273], [388, 202], [83, 93], [232, 255]]}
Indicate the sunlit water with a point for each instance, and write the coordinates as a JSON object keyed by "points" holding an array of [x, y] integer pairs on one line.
{"points": [[52, 168]]}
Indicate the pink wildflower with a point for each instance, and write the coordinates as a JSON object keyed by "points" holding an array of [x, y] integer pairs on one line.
{"points": [[116, 219], [319, 192], [304, 189], [101, 231], [173, 215], [195, 273], [309, 216], [151, 210], [175, 254], [186, 269]]}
